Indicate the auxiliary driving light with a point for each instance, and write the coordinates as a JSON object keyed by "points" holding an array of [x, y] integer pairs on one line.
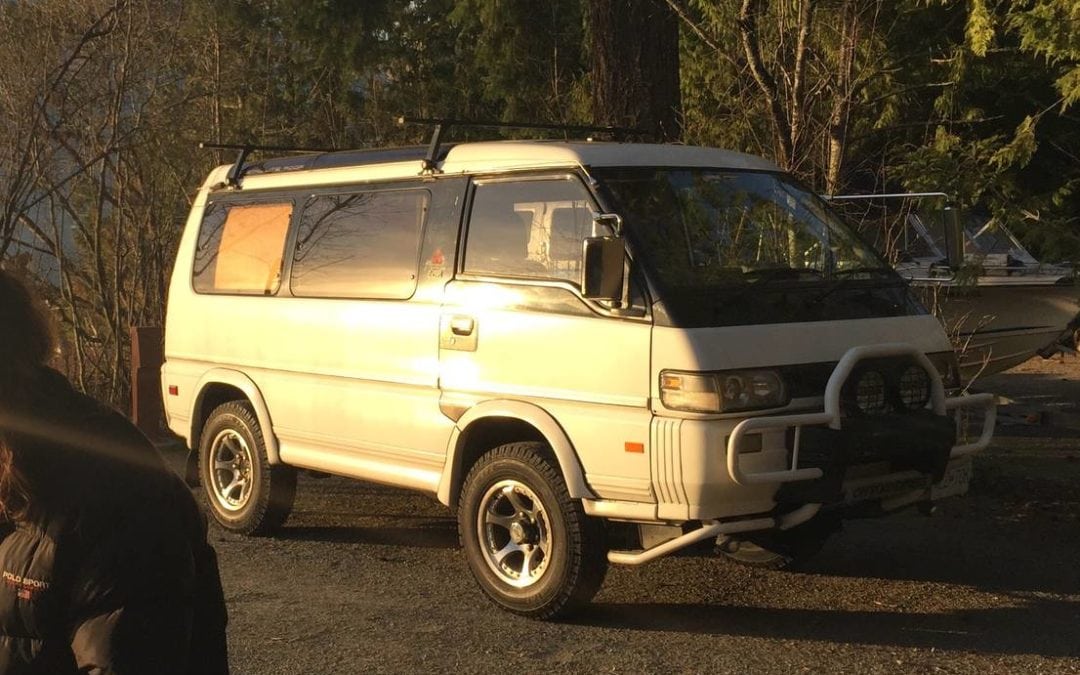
{"points": [[914, 387], [870, 393]]}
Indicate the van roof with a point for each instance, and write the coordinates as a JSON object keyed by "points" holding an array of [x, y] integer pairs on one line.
{"points": [[483, 157], [473, 157]]}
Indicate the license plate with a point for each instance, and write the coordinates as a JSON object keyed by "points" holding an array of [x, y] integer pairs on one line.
{"points": [[956, 479]]}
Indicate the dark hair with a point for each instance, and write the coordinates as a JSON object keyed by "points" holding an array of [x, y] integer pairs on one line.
{"points": [[26, 344], [25, 339]]}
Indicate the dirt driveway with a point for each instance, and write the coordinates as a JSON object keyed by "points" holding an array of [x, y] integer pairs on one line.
{"points": [[368, 579]]}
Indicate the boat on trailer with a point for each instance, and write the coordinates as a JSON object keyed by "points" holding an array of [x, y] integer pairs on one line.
{"points": [[999, 304]]}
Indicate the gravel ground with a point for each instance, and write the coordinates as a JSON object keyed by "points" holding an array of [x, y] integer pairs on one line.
{"points": [[369, 579]]}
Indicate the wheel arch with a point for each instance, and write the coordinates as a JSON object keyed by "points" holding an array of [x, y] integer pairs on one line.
{"points": [[493, 423], [221, 385]]}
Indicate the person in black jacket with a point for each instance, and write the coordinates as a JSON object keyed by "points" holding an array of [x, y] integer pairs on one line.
{"points": [[104, 561]]}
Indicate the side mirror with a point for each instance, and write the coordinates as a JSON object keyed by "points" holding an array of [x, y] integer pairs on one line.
{"points": [[602, 269], [954, 237]]}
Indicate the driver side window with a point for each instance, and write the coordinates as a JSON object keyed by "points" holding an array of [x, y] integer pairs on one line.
{"points": [[529, 228]]}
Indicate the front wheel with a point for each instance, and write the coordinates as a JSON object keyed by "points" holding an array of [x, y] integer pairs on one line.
{"points": [[529, 545], [245, 492]]}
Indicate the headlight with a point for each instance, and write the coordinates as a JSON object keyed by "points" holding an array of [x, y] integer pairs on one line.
{"points": [[914, 387], [728, 391]]}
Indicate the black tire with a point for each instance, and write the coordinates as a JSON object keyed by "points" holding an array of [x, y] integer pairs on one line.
{"points": [[779, 549], [261, 503], [522, 485]]}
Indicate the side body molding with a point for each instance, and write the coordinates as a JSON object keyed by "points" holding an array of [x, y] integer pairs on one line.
{"points": [[243, 383], [526, 412]]}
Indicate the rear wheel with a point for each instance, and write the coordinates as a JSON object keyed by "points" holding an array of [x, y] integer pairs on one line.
{"points": [[246, 494], [529, 545]]}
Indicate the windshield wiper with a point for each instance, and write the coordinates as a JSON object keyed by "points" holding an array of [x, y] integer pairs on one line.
{"points": [[767, 274], [887, 272], [846, 277]]}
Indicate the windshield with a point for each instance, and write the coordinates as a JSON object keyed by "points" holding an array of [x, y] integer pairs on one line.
{"points": [[709, 227], [990, 237], [727, 247], [982, 237]]}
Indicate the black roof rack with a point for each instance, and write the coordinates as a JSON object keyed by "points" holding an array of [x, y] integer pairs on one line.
{"points": [[415, 153], [233, 179], [442, 125], [436, 150]]}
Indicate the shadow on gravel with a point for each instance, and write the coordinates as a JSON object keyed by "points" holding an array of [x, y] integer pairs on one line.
{"points": [[1011, 560], [1046, 628], [424, 534], [1035, 389], [1054, 399]]}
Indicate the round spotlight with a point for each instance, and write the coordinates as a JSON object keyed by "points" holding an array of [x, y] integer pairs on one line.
{"points": [[914, 387], [870, 393]]}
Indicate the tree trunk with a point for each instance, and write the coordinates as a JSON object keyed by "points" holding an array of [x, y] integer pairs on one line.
{"points": [[635, 65], [840, 114]]}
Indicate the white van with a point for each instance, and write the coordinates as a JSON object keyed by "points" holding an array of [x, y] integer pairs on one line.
{"points": [[565, 342]]}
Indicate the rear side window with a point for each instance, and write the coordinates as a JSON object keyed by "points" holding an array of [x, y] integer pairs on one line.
{"points": [[360, 245], [240, 248], [529, 228]]}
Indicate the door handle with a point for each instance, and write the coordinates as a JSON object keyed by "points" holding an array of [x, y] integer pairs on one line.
{"points": [[462, 325], [457, 332]]}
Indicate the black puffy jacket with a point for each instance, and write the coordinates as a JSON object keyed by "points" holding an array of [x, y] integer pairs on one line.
{"points": [[110, 572]]}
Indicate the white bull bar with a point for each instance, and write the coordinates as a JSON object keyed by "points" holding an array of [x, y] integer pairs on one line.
{"points": [[831, 416]]}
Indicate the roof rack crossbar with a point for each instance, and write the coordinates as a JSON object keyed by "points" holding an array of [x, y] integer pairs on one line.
{"points": [[233, 178], [630, 131], [442, 125], [889, 195]]}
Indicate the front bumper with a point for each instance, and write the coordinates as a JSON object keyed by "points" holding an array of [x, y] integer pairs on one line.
{"points": [[924, 460], [819, 426]]}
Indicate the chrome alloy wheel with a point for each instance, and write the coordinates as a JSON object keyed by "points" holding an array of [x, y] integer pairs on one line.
{"points": [[515, 537], [231, 475]]}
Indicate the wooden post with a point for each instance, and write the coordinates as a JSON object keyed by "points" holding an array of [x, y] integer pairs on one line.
{"points": [[147, 408]]}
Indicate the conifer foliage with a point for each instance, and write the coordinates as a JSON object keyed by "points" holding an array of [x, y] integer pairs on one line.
{"points": [[103, 102]]}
